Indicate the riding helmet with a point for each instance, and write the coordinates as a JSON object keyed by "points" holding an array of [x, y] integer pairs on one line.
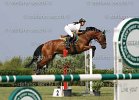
{"points": [[82, 20]]}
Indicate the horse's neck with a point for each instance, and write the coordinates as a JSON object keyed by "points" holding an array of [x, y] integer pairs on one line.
{"points": [[87, 37]]}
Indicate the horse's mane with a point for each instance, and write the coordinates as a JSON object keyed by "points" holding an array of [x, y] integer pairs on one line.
{"points": [[90, 29]]}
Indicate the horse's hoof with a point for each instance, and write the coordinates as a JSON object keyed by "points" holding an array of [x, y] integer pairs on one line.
{"points": [[94, 48], [37, 73], [25, 66]]}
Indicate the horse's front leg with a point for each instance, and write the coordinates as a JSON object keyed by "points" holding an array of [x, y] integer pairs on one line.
{"points": [[90, 47], [93, 50]]}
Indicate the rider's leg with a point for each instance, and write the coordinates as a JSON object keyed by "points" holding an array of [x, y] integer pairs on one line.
{"points": [[68, 39], [68, 42], [68, 31]]}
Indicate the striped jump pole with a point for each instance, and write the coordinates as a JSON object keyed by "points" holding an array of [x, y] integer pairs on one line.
{"points": [[70, 77]]}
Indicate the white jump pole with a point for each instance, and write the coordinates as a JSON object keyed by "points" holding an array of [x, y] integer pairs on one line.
{"points": [[90, 66], [88, 69]]}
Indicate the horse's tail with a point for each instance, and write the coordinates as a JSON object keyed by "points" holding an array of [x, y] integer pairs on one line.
{"points": [[36, 55]]}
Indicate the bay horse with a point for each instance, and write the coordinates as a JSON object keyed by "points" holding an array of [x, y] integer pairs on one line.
{"points": [[47, 51]]}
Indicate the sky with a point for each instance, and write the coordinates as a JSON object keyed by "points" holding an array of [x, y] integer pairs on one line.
{"points": [[25, 24]]}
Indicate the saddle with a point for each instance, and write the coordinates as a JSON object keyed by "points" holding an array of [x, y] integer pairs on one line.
{"points": [[73, 40], [63, 37]]}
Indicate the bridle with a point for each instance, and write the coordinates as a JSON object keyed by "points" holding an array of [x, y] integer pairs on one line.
{"points": [[99, 38]]}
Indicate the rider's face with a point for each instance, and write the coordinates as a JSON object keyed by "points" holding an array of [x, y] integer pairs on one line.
{"points": [[82, 23]]}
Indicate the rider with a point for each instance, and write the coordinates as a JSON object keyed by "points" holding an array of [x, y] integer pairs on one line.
{"points": [[72, 29]]}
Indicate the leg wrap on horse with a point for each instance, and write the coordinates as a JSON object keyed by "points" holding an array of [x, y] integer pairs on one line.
{"points": [[93, 51]]}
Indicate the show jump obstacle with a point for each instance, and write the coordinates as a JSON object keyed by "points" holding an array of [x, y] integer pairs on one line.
{"points": [[70, 77], [126, 53]]}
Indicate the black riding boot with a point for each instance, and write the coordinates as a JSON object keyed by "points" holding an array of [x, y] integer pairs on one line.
{"points": [[68, 42]]}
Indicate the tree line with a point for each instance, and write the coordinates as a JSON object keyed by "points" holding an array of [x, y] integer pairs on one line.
{"points": [[73, 62]]}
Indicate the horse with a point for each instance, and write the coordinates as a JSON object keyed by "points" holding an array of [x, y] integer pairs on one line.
{"points": [[47, 51]]}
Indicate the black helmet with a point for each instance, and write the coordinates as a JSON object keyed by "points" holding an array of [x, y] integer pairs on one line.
{"points": [[82, 20]]}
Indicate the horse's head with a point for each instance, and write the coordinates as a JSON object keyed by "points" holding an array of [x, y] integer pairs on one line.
{"points": [[101, 38], [98, 35]]}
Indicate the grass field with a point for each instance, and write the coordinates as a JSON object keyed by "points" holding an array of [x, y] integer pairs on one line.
{"points": [[46, 93]]}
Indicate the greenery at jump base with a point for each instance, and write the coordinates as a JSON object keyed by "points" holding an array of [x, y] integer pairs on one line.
{"points": [[75, 64]]}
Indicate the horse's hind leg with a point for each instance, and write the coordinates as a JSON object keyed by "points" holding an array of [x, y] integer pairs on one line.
{"points": [[43, 64], [40, 66]]}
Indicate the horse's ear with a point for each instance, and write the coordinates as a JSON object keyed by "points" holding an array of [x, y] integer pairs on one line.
{"points": [[104, 32]]}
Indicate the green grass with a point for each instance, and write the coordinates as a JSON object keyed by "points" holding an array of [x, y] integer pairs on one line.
{"points": [[46, 93]]}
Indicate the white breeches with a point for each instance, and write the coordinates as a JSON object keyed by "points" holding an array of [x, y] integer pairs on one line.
{"points": [[68, 31]]}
